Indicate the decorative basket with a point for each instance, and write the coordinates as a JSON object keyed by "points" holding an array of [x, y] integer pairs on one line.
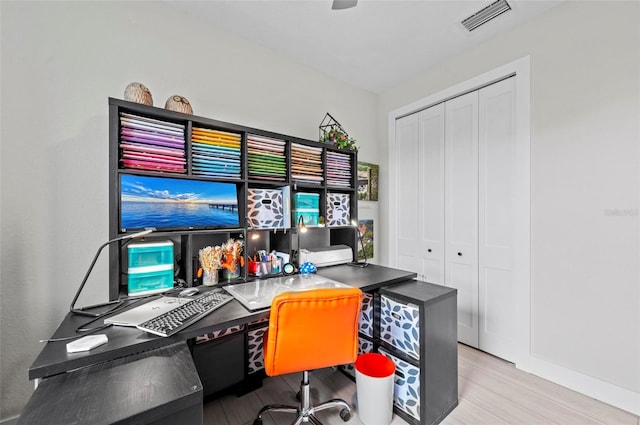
{"points": [[178, 104], [139, 93]]}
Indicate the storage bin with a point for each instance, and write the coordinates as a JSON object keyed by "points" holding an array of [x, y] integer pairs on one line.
{"points": [[149, 254], [255, 351], [365, 325], [400, 325], [265, 208], [218, 334], [306, 201], [310, 217], [338, 209], [150, 282], [406, 391]]}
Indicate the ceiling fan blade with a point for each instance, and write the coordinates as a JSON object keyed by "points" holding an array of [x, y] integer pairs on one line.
{"points": [[343, 4]]}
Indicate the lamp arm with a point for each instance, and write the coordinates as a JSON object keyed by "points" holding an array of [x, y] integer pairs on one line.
{"points": [[81, 311], [364, 254], [86, 276], [357, 263]]}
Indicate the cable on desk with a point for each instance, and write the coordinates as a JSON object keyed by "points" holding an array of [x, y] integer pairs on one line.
{"points": [[88, 331]]}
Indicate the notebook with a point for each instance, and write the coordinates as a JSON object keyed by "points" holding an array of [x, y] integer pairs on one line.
{"points": [[146, 311]]}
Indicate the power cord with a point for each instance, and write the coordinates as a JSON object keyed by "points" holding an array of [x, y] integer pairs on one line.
{"points": [[87, 331]]}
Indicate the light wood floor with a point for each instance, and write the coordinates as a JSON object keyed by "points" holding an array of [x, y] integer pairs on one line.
{"points": [[491, 391]]}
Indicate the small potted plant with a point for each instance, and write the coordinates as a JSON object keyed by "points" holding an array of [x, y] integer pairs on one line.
{"points": [[332, 132]]}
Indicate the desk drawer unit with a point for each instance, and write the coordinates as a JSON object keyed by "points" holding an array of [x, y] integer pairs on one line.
{"points": [[418, 331]]}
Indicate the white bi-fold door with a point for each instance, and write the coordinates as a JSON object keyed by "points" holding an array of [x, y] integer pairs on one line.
{"points": [[420, 193], [461, 210], [456, 221], [498, 219]]}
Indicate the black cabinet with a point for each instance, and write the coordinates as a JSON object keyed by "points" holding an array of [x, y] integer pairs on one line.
{"points": [[418, 331], [220, 362], [196, 155]]}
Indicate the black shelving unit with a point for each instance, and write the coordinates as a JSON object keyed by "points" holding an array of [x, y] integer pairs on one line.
{"points": [[188, 242]]}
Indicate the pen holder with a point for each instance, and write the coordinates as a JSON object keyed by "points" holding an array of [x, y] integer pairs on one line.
{"points": [[259, 268]]}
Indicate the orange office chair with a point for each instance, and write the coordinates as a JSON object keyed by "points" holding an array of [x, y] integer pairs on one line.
{"points": [[309, 330]]}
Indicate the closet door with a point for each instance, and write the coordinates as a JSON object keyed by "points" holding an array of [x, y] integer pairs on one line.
{"points": [[497, 219], [431, 186], [461, 210], [406, 187]]}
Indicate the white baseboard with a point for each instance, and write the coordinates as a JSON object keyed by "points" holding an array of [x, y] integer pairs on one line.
{"points": [[606, 392], [10, 421]]}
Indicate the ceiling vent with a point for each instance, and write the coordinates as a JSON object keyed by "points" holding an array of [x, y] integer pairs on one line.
{"points": [[485, 15]]}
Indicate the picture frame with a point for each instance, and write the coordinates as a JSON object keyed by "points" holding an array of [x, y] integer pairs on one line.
{"points": [[367, 181], [368, 228]]}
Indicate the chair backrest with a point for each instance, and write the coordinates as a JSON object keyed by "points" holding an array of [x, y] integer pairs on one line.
{"points": [[312, 329]]}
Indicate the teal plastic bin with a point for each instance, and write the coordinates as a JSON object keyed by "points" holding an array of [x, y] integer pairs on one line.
{"points": [[306, 201]]}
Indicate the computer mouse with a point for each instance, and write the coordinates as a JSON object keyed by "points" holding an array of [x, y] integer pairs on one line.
{"points": [[189, 292]]}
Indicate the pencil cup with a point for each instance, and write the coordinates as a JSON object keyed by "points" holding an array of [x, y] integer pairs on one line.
{"points": [[259, 268]]}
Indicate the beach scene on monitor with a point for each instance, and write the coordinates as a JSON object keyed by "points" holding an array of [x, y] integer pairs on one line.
{"points": [[171, 203]]}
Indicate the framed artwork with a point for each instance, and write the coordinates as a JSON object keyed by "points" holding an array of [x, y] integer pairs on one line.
{"points": [[367, 181], [368, 229]]}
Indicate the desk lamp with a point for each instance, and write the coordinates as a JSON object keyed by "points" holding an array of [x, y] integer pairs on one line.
{"points": [[302, 228], [357, 263], [81, 310]]}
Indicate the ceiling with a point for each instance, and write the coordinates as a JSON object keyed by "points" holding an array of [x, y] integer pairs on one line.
{"points": [[375, 45]]}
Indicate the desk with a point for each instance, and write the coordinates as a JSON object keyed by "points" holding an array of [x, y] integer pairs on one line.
{"points": [[125, 342], [135, 384]]}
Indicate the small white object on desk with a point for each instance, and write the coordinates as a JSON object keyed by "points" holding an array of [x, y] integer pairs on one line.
{"points": [[86, 343]]}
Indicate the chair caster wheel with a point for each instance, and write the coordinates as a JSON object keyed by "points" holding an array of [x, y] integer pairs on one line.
{"points": [[258, 421], [344, 414]]}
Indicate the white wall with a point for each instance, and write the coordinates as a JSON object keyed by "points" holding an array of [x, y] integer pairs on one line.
{"points": [[585, 195], [60, 63]]}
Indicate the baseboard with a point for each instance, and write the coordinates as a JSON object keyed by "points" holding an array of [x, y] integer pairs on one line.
{"points": [[10, 421], [606, 392]]}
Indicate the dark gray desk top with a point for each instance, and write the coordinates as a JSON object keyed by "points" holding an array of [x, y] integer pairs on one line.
{"points": [[145, 388], [367, 278], [54, 359]]}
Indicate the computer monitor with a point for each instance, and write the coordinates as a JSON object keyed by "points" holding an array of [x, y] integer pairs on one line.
{"points": [[172, 203]]}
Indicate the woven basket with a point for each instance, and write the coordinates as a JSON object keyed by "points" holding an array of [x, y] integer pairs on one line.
{"points": [[178, 104], [139, 93]]}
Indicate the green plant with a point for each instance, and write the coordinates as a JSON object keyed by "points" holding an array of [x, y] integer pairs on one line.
{"points": [[337, 137]]}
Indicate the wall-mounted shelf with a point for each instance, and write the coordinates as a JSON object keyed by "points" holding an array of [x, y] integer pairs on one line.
{"points": [[146, 141]]}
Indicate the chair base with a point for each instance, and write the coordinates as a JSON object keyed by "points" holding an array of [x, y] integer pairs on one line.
{"points": [[306, 412]]}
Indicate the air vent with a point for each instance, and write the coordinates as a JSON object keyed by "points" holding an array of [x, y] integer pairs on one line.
{"points": [[485, 15]]}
